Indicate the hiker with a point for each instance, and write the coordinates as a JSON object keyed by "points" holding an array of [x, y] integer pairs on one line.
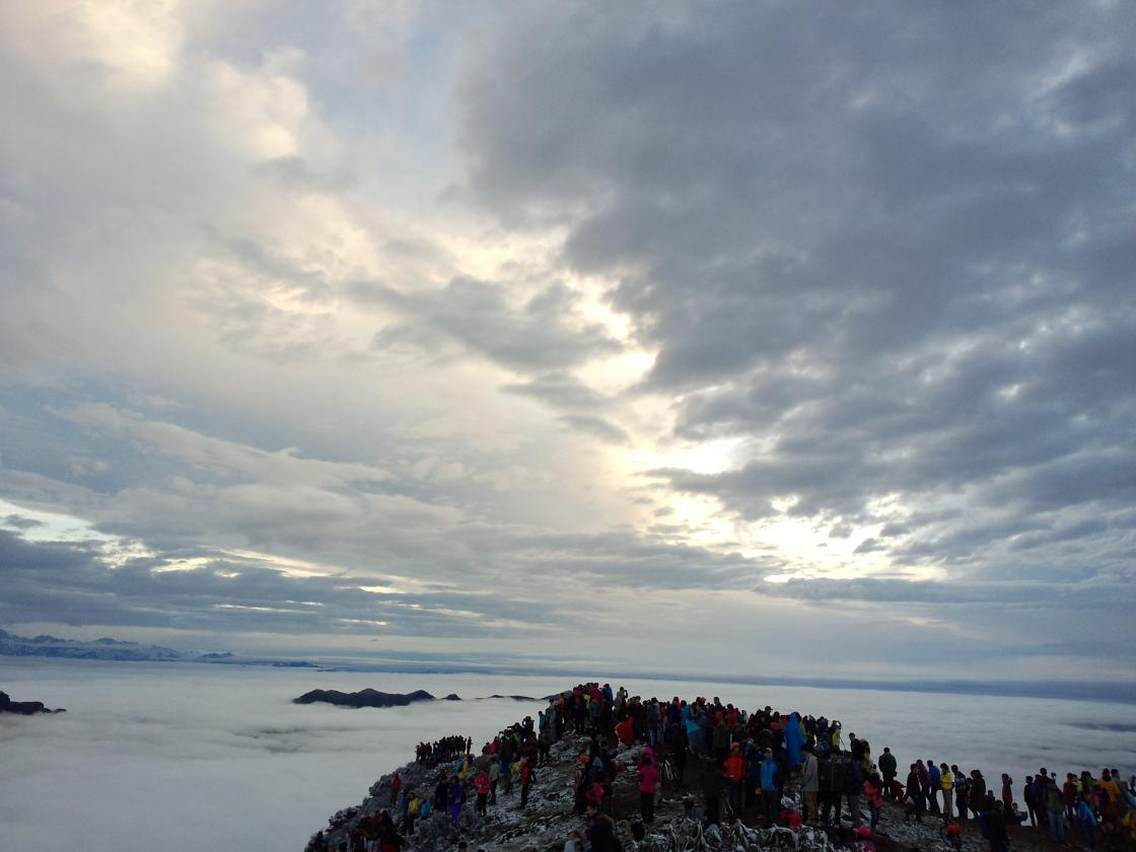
{"points": [[389, 838], [711, 791], [721, 742], [915, 794], [855, 788], [993, 825], [482, 785], [679, 745], [947, 785], [734, 768], [1087, 820], [770, 775], [525, 773], [455, 798], [1007, 793], [831, 778], [933, 778], [962, 792], [888, 766], [396, 787], [648, 783], [1030, 795], [873, 792], [412, 809], [1055, 810], [494, 779], [978, 792], [810, 783]]}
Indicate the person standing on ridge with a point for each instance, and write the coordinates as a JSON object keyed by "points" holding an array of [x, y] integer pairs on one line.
{"points": [[734, 768], [810, 783], [978, 792], [648, 784], [873, 792], [932, 786], [915, 794], [526, 776], [888, 768], [456, 797], [482, 785], [947, 785], [962, 793], [770, 773], [396, 788]]}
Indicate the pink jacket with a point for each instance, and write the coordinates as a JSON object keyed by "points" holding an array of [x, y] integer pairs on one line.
{"points": [[648, 778], [872, 792]]}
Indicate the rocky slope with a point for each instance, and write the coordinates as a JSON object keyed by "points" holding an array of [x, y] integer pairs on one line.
{"points": [[544, 825]]}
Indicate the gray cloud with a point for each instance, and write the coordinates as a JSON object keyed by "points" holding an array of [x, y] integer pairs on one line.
{"points": [[598, 427], [542, 334], [73, 583], [892, 260], [560, 390]]}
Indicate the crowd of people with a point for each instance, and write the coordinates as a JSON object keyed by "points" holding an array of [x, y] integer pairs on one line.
{"points": [[763, 766], [439, 751]]}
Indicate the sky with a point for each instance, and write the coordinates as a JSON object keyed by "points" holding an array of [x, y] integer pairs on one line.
{"points": [[745, 338]]}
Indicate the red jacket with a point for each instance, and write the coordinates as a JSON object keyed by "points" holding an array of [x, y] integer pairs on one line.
{"points": [[735, 767]]}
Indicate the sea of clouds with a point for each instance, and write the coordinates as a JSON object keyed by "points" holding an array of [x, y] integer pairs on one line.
{"points": [[189, 757]]}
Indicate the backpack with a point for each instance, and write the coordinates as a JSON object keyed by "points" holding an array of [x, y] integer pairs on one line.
{"points": [[840, 772]]}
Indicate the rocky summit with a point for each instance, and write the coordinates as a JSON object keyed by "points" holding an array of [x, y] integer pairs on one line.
{"points": [[606, 772]]}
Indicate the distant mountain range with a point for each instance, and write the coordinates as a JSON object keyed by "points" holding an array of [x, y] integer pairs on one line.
{"points": [[12, 645]]}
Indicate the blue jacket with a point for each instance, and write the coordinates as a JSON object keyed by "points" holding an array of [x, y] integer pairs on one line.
{"points": [[769, 770], [933, 774], [793, 740], [1085, 815]]}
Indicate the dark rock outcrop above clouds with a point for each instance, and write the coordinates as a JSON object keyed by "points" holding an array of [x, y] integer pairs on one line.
{"points": [[24, 708], [363, 698]]}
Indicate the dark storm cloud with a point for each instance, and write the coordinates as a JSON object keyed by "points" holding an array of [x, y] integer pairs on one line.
{"points": [[890, 246], [542, 334]]}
